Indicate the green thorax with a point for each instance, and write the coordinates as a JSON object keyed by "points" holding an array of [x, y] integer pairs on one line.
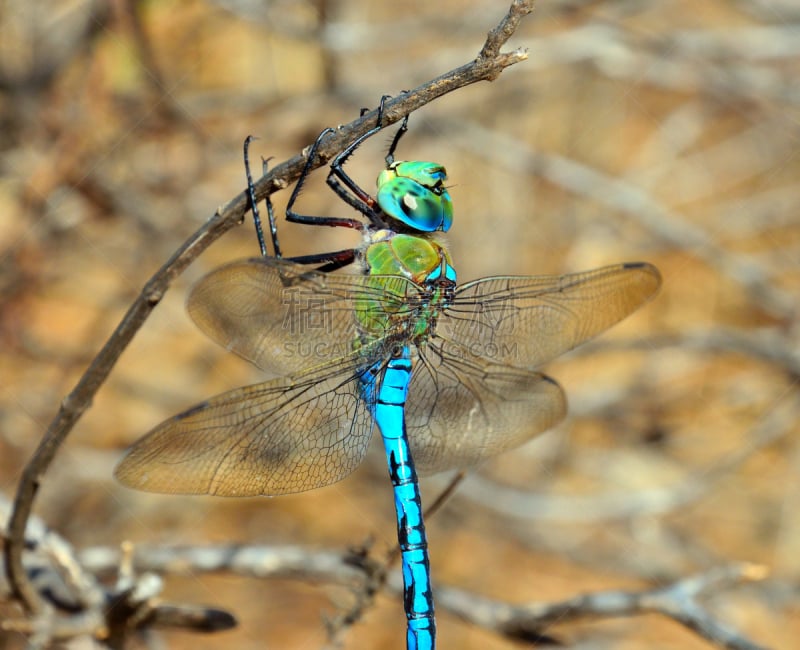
{"points": [[411, 256], [391, 308]]}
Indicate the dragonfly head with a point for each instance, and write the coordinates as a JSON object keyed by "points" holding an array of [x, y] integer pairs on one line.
{"points": [[413, 192]]}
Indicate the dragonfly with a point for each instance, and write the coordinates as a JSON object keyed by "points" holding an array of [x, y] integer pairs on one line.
{"points": [[448, 372]]}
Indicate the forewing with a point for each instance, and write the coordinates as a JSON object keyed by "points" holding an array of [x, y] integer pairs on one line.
{"points": [[283, 436], [286, 318], [461, 410], [527, 321]]}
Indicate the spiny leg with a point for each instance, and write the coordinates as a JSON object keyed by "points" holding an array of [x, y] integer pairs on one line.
{"points": [[338, 179], [311, 220], [273, 226], [337, 172], [251, 193], [332, 260], [400, 133], [362, 201], [338, 259]]}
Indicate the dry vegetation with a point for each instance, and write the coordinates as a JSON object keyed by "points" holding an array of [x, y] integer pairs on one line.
{"points": [[664, 131]]}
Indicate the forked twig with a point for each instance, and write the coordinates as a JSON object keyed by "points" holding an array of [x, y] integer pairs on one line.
{"points": [[486, 67], [678, 600]]}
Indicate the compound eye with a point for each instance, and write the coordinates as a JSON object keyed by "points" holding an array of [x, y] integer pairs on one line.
{"points": [[415, 205]]}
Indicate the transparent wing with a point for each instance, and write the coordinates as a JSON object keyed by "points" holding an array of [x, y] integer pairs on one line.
{"points": [[285, 318], [283, 436], [474, 394], [461, 410], [527, 321]]}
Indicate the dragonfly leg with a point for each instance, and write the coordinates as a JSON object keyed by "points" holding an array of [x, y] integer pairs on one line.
{"points": [[311, 220], [342, 258], [332, 261], [400, 133], [340, 181], [273, 227], [251, 193]]}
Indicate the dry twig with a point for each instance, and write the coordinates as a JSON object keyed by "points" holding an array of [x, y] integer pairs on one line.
{"points": [[527, 622], [486, 67], [677, 601]]}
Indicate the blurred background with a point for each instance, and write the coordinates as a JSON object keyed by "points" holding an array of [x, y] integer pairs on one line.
{"points": [[661, 131]]}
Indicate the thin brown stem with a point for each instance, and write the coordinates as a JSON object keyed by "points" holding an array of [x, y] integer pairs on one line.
{"points": [[486, 67]]}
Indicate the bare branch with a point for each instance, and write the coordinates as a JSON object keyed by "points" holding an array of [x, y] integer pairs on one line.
{"points": [[252, 560], [526, 622], [500, 34], [676, 601], [76, 604], [484, 67], [135, 603]]}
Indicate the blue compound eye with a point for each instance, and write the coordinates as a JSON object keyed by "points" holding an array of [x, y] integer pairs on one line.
{"points": [[414, 194]]}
